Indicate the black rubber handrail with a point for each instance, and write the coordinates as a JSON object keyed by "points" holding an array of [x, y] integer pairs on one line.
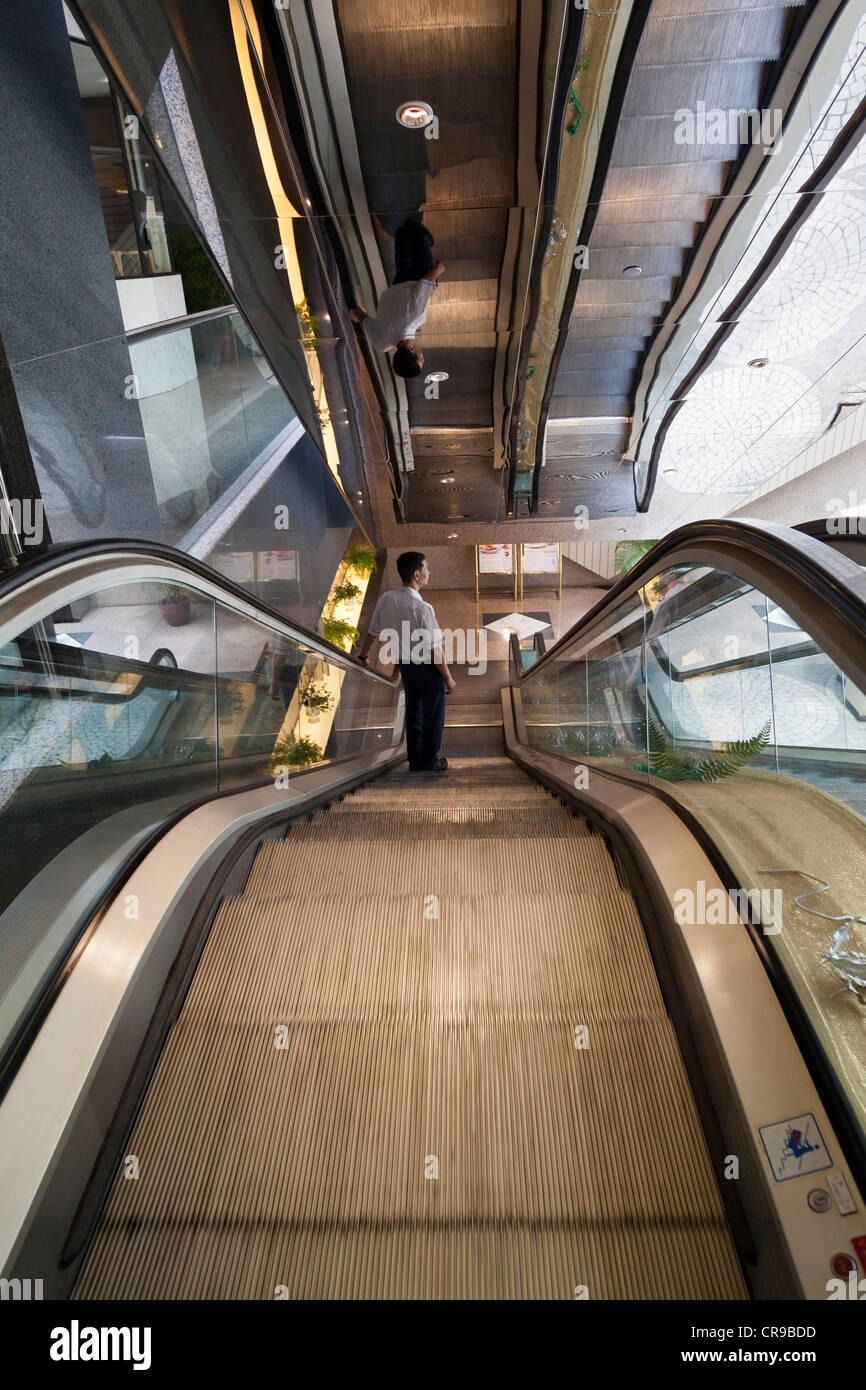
{"points": [[820, 529], [831, 577], [56, 556]]}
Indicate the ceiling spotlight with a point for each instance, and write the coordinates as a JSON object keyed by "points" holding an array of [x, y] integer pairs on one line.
{"points": [[415, 114], [446, 480], [760, 362], [437, 376], [622, 531], [452, 535], [631, 272]]}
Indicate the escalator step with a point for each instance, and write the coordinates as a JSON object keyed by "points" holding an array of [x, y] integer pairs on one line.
{"points": [[494, 866], [342, 824]]}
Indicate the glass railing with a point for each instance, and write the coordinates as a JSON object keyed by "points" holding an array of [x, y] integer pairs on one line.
{"points": [[124, 706], [695, 683], [211, 410]]}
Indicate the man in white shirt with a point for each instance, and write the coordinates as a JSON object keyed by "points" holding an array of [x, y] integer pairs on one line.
{"points": [[403, 307], [406, 624]]}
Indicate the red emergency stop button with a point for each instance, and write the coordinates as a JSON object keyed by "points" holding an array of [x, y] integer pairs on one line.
{"points": [[843, 1265], [859, 1243]]}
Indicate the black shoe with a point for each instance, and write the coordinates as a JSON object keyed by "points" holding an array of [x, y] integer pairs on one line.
{"points": [[440, 765]]}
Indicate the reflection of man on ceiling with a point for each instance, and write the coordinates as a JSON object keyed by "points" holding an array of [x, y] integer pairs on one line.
{"points": [[403, 307]]}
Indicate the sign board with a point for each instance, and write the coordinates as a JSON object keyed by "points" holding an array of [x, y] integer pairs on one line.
{"points": [[495, 559], [540, 558], [233, 564], [278, 564]]}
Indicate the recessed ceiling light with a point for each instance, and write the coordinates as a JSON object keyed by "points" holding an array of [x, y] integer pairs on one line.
{"points": [[415, 114], [439, 376], [622, 531], [760, 362], [631, 272], [446, 480], [452, 535]]}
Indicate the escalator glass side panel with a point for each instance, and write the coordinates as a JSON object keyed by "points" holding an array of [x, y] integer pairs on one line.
{"points": [[703, 687], [118, 712]]}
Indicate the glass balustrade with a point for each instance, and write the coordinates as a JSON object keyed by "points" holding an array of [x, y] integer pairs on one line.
{"points": [[211, 412], [699, 686], [122, 709]]}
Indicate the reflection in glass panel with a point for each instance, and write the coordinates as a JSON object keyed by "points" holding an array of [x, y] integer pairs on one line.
{"points": [[212, 412], [540, 704], [107, 726], [616, 718], [709, 679], [257, 673], [750, 726]]}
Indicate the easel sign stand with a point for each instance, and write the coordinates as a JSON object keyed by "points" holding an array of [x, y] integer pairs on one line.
{"points": [[539, 558], [494, 559]]}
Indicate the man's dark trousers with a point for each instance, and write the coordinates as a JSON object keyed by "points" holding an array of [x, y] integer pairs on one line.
{"points": [[425, 713], [412, 254]]}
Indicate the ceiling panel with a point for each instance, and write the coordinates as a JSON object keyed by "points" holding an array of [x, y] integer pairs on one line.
{"points": [[656, 198]]}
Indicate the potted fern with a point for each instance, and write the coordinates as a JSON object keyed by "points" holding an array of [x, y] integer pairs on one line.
{"points": [[360, 560], [315, 697], [336, 631], [665, 761], [292, 751], [345, 592], [174, 606]]}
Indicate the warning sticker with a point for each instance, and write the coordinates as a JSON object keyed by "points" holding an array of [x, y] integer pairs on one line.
{"points": [[795, 1147]]}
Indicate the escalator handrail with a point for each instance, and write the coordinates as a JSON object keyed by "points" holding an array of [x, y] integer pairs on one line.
{"points": [[820, 528], [834, 579], [56, 556]]}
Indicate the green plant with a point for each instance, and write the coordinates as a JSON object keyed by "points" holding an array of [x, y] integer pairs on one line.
{"points": [[202, 287], [666, 762], [336, 631], [362, 561], [345, 592], [628, 553], [315, 696], [173, 593], [294, 752], [309, 323]]}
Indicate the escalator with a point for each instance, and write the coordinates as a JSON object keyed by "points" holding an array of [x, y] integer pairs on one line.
{"points": [[406, 939], [562, 1023]]}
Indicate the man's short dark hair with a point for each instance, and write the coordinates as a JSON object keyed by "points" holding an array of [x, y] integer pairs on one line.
{"points": [[408, 563], [405, 363]]}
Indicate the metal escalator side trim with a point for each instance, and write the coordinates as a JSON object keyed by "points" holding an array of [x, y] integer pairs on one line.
{"points": [[89, 1041], [36, 589], [758, 1072]]}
